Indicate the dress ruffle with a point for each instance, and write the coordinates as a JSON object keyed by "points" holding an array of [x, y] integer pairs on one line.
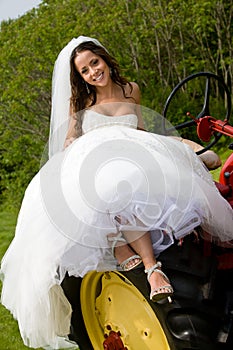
{"points": [[152, 183]]}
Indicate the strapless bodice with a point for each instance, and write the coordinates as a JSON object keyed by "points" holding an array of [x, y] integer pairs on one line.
{"points": [[93, 120]]}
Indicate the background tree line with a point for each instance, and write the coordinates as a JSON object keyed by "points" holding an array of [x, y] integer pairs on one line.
{"points": [[156, 42]]}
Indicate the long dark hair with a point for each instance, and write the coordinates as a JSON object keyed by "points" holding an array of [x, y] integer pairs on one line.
{"points": [[80, 96]]}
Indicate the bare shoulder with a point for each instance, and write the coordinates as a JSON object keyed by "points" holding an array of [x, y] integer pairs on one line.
{"points": [[135, 86], [133, 91]]}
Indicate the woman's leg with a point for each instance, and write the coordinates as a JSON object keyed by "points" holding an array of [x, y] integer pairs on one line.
{"points": [[124, 254], [142, 245], [121, 250]]}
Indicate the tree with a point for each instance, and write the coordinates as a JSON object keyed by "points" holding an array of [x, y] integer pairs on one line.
{"points": [[156, 42]]}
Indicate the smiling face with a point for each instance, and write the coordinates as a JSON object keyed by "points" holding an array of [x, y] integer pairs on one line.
{"points": [[92, 68]]}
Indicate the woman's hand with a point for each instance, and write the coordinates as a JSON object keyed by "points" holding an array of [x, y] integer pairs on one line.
{"points": [[68, 141], [209, 157]]}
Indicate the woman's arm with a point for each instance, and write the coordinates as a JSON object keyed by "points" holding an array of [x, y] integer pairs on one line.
{"points": [[209, 158], [72, 131], [136, 95]]}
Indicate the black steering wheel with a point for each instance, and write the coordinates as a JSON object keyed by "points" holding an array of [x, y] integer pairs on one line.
{"points": [[205, 110]]}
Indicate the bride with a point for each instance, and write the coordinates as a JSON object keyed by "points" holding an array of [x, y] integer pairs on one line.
{"points": [[111, 196]]}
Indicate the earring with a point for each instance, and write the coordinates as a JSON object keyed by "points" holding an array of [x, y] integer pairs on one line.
{"points": [[87, 88]]}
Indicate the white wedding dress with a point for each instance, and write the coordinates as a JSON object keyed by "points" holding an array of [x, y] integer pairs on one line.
{"points": [[151, 182]]}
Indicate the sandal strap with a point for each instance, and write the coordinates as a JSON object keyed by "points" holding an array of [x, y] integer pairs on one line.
{"points": [[167, 287], [115, 239], [154, 268], [126, 261]]}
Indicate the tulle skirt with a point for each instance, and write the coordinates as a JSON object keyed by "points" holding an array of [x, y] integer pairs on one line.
{"points": [[109, 180]]}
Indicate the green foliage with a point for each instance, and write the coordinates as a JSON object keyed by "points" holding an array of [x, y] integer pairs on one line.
{"points": [[157, 43]]}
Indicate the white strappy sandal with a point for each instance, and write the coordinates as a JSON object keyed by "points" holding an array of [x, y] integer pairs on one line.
{"points": [[124, 264], [162, 293]]}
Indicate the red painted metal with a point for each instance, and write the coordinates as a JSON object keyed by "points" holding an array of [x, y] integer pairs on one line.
{"points": [[113, 342], [226, 174], [207, 125]]}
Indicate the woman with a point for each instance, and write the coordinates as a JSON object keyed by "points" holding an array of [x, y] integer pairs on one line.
{"points": [[108, 189]]}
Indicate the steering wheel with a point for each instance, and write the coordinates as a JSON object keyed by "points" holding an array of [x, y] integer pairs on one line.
{"points": [[205, 110]]}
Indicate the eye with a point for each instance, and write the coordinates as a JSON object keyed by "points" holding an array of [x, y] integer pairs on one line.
{"points": [[95, 61], [84, 71]]}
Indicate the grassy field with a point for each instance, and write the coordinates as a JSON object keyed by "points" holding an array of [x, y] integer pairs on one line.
{"points": [[223, 155]]}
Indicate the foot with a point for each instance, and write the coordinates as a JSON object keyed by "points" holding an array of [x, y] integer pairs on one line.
{"points": [[126, 257], [161, 288]]}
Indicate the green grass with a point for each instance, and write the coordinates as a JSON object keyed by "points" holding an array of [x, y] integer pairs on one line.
{"points": [[223, 155]]}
